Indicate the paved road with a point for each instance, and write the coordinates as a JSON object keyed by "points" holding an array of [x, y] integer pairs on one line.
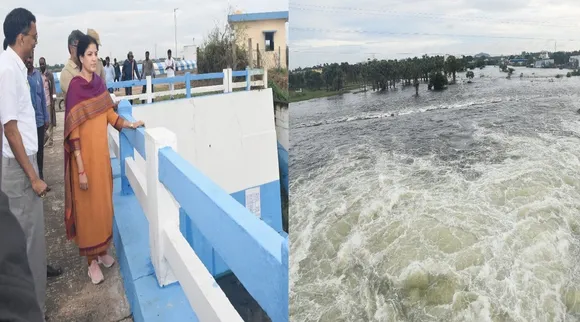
{"points": [[71, 297]]}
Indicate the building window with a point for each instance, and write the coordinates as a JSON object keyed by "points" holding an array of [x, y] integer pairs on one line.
{"points": [[269, 40]]}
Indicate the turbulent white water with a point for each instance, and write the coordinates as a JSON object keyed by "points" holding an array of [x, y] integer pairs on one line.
{"points": [[391, 234]]}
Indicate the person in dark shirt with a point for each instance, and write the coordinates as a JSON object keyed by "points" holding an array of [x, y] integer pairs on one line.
{"points": [[148, 70], [130, 70], [117, 70]]}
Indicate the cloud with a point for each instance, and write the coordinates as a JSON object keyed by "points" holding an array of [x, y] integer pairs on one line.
{"points": [[346, 30], [130, 25]]}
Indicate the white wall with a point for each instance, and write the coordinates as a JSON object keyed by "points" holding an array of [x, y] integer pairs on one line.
{"points": [[282, 125], [230, 137]]}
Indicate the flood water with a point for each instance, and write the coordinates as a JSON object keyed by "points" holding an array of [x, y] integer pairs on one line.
{"points": [[461, 205]]}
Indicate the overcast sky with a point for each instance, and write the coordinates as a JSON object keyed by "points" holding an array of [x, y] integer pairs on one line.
{"points": [[327, 31], [125, 25]]}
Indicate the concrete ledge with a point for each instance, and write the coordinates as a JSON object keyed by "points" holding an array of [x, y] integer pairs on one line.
{"points": [[148, 301]]}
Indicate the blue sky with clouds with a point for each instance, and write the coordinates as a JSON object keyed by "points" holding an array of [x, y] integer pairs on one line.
{"points": [[126, 25], [328, 31]]}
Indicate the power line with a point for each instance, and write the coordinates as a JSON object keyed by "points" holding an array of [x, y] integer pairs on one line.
{"points": [[379, 32], [309, 7]]}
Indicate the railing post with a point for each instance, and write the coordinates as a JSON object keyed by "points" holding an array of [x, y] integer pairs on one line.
{"points": [[231, 80], [248, 79], [265, 77], [149, 90], [226, 81], [125, 149], [161, 207], [187, 85]]}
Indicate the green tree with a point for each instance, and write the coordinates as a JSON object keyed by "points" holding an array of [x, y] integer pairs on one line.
{"points": [[452, 66], [217, 51], [469, 74], [438, 81], [334, 77]]}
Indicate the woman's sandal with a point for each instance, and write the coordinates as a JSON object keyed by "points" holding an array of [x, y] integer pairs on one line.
{"points": [[99, 275], [106, 263]]}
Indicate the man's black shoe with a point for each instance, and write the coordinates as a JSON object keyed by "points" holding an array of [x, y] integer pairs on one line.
{"points": [[53, 272]]}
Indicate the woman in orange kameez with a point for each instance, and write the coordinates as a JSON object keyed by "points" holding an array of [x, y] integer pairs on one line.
{"points": [[89, 209]]}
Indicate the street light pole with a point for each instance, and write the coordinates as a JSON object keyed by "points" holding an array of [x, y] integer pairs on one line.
{"points": [[175, 22]]}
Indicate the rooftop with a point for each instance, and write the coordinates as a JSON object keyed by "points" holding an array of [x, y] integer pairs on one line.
{"points": [[242, 17]]}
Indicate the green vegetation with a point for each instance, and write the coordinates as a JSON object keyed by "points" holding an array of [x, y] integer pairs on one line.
{"points": [[279, 94], [469, 74], [438, 81], [333, 79], [278, 81], [220, 50]]}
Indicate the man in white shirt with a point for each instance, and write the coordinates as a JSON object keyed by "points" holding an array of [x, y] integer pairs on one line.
{"points": [[170, 69], [20, 178], [109, 73]]}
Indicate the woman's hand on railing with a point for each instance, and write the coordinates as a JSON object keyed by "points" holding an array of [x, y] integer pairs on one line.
{"points": [[138, 124], [133, 125]]}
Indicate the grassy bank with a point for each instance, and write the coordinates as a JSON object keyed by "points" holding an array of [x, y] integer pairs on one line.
{"points": [[307, 94]]}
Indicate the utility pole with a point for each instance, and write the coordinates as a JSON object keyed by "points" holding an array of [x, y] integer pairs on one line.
{"points": [[175, 22]]}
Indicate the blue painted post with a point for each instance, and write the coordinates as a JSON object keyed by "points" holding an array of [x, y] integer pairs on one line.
{"points": [[187, 85], [125, 148], [248, 79], [285, 286]]}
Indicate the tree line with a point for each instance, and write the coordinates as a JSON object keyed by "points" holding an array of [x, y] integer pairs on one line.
{"points": [[386, 74], [436, 71]]}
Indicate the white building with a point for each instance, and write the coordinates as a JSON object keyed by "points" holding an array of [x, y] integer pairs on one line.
{"points": [[544, 55], [544, 63], [574, 61]]}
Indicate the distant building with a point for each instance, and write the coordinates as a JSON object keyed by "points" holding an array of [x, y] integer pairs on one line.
{"points": [[574, 61], [518, 61], [544, 55], [544, 63], [267, 32]]}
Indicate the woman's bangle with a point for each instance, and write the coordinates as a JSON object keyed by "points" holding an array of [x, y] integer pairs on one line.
{"points": [[81, 173]]}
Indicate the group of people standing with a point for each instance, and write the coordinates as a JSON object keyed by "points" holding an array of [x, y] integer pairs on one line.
{"points": [[131, 71], [24, 115]]}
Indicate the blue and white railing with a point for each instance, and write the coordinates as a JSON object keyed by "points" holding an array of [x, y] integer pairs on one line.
{"points": [[255, 252], [228, 85], [159, 69]]}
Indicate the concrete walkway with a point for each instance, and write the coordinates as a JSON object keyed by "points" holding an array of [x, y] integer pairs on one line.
{"points": [[71, 297]]}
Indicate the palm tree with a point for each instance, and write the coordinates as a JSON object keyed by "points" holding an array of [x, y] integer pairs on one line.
{"points": [[452, 65]]}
